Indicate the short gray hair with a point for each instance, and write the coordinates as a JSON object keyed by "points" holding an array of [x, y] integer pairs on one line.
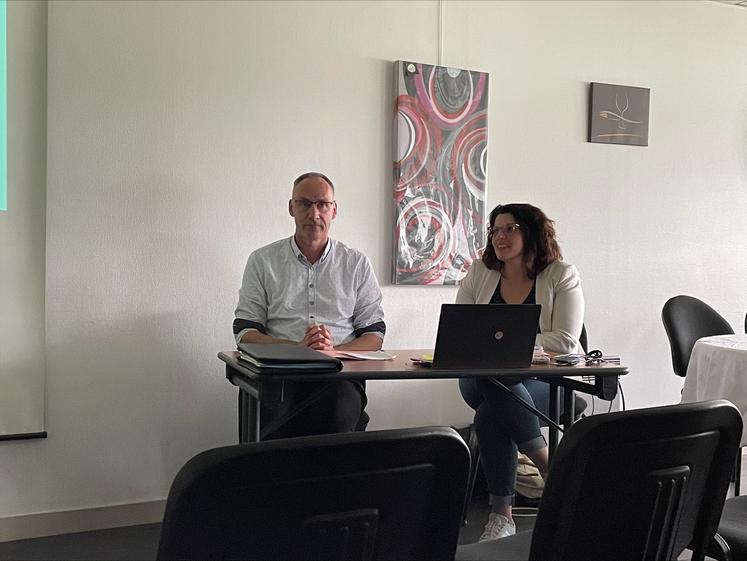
{"points": [[313, 174]]}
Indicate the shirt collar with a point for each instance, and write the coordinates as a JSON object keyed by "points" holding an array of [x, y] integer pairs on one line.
{"points": [[299, 255]]}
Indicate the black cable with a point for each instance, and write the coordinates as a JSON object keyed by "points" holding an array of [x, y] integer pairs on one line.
{"points": [[622, 396]]}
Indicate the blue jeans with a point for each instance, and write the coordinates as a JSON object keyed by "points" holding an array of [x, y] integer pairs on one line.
{"points": [[504, 427]]}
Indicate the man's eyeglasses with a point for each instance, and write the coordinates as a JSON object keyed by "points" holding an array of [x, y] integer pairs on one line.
{"points": [[506, 230], [306, 204]]}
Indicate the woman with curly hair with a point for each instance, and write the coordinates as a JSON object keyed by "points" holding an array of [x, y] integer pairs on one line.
{"points": [[521, 264]]}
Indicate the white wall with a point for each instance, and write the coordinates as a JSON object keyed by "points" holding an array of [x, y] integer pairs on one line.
{"points": [[174, 130], [22, 225]]}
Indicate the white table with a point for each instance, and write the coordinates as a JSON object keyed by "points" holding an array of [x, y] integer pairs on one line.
{"points": [[718, 370]]}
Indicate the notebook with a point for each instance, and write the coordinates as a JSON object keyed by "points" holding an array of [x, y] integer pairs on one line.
{"points": [[267, 358], [486, 335]]}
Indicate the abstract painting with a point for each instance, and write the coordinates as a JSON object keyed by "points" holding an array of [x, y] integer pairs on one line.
{"points": [[440, 172], [618, 114]]}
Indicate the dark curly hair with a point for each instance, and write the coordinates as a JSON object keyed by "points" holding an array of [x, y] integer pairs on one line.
{"points": [[538, 232]]}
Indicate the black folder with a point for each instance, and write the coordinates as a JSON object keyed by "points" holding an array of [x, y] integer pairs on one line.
{"points": [[269, 358]]}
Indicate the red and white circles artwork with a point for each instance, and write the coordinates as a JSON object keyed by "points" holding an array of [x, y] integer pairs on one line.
{"points": [[440, 172]]}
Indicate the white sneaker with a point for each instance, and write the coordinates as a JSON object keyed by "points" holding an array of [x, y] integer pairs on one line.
{"points": [[498, 527]]}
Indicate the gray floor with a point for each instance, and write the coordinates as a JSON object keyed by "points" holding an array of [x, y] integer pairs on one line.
{"points": [[116, 544]]}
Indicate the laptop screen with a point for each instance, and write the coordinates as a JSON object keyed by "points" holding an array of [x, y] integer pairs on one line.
{"points": [[486, 336]]}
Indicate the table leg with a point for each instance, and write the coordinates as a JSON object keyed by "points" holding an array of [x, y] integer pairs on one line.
{"points": [[554, 415], [249, 400], [293, 411], [249, 406], [251, 395], [242, 416], [569, 406], [249, 428], [254, 426]]}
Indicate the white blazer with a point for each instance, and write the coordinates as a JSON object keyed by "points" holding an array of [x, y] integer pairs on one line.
{"points": [[557, 289]]}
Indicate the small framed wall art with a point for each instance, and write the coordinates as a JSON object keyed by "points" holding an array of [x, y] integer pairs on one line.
{"points": [[618, 114]]}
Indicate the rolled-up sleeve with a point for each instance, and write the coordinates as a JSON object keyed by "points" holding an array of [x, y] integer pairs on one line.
{"points": [[368, 315], [251, 311]]}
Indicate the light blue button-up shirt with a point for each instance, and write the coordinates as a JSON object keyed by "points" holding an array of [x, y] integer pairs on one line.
{"points": [[282, 293]]}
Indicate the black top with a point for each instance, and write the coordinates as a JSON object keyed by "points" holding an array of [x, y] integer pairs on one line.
{"points": [[498, 299], [531, 298]]}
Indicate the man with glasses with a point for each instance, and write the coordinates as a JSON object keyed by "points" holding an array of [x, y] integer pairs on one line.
{"points": [[311, 290]]}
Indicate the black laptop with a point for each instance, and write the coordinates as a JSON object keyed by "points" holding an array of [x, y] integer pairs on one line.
{"points": [[486, 336]]}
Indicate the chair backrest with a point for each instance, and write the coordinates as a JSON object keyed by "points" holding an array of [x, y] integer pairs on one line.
{"points": [[583, 339], [638, 485], [687, 319], [394, 494]]}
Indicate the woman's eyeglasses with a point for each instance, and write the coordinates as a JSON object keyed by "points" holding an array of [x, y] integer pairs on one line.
{"points": [[506, 230], [306, 204]]}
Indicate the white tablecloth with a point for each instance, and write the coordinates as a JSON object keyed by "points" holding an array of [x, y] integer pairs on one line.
{"points": [[718, 370]]}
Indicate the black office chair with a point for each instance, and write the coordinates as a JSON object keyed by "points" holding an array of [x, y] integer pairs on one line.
{"points": [[633, 485], [733, 525], [583, 339], [733, 529], [393, 494], [687, 319]]}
